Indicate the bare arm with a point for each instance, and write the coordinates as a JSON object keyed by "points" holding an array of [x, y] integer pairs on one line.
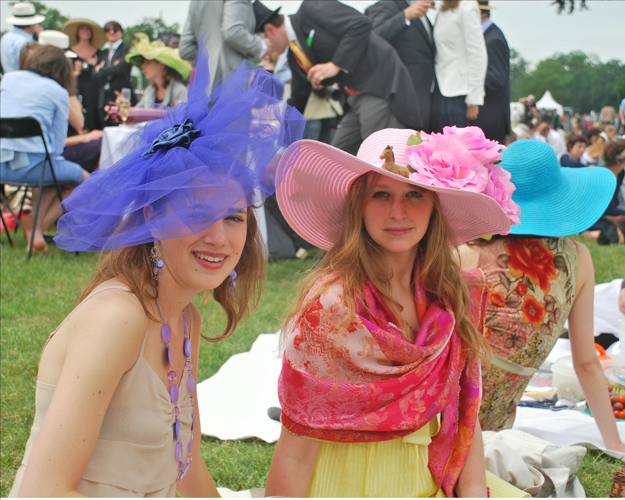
{"points": [[617, 168], [76, 118], [104, 338], [472, 480], [198, 482], [585, 361], [292, 466]]}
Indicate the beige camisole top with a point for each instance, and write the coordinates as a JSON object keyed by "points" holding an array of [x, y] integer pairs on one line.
{"points": [[134, 455]]}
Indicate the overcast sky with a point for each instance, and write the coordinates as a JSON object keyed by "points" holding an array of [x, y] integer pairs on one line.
{"points": [[531, 26]]}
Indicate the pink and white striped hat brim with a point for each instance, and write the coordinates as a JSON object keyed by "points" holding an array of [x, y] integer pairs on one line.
{"points": [[313, 192]]}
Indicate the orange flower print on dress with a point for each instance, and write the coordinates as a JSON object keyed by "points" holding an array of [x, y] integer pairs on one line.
{"points": [[532, 259], [521, 288], [533, 311], [496, 298]]}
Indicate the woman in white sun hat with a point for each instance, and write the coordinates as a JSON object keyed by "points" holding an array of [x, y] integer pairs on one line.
{"points": [[381, 370]]}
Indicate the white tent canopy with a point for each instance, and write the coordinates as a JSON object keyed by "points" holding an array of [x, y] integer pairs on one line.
{"points": [[548, 103]]}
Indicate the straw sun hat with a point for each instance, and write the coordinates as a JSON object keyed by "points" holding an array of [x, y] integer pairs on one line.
{"points": [[158, 51], [555, 200], [70, 28], [57, 39], [313, 194], [24, 14]]}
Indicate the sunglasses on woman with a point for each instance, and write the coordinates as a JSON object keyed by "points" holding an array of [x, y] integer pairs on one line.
{"points": [[114, 30]]}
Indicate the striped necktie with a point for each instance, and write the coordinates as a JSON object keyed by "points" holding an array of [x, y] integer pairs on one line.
{"points": [[300, 56]]}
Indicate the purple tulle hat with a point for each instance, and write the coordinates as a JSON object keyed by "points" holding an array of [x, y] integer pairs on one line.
{"points": [[206, 159]]}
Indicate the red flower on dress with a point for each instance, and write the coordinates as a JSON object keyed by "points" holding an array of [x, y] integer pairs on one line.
{"points": [[521, 288], [496, 298], [532, 259], [533, 311]]}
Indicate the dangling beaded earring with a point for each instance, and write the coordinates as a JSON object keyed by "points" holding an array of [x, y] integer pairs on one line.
{"points": [[174, 391], [157, 263], [233, 284]]}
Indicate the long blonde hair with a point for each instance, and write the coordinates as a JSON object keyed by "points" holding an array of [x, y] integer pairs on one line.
{"points": [[356, 259], [132, 264]]}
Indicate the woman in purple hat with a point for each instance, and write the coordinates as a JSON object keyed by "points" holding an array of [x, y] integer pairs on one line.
{"points": [[116, 414]]}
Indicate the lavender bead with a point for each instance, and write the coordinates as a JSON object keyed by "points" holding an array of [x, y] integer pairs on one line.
{"points": [[233, 274], [173, 392], [159, 263], [180, 467], [169, 356], [192, 421], [179, 451], [177, 429], [190, 443], [188, 366], [184, 472], [186, 328], [189, 459], [187, 348], [232, 292], [166, 333], [172, 375], [190, 383], [191, 401], [176, 411]]}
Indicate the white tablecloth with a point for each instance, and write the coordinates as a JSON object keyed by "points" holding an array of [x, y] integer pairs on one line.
{"points": [[114, 138]]}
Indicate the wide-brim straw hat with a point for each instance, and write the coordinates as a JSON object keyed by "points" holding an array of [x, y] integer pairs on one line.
{"points": [[70, 28], [484, 5], [313, 194], [157, 51], [555, 200], [56, 39], [24, 14]]}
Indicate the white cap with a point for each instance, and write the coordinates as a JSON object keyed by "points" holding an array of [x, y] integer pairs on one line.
{"points": [[24, 14]]}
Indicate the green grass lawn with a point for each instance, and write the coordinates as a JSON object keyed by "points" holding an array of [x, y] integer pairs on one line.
{"points": [[35, 296]]}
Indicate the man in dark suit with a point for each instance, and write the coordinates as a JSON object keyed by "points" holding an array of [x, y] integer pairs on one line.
{"points": [[331, 42], [494, 116], [112, 72], [404, 25]]}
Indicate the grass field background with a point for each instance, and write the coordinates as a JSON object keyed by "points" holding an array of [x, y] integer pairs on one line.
{"points": [[35, 296]]}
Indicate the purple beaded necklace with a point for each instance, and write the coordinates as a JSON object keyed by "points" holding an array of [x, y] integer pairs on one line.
{"points": [[174, 393]]}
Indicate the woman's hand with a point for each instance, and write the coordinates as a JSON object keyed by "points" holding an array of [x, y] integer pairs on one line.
{"points": [[292, 466], [77, 68], [472, 112]]}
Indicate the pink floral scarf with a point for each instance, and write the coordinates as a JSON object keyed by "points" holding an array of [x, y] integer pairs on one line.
{"points": [[367, 383]]}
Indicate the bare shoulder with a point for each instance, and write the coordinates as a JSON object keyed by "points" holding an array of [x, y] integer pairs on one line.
{"points": [[585, 268], [114, 314]]}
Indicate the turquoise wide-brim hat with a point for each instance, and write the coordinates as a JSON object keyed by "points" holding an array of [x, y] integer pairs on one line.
{"points": [[555, 200]]}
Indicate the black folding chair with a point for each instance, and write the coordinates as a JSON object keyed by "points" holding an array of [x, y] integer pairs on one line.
{"points": [[23, 128]]}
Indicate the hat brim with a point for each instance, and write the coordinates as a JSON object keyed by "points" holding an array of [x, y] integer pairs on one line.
{"points": [[70, 28], [574, 206], [313, 194], [25, 21], [183, 68]]}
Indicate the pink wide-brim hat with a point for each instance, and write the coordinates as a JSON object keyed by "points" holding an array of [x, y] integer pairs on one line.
{"points": [[313, 192]]}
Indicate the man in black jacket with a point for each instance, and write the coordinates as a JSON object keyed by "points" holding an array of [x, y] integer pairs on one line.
{"points": [[404, 25], [331, 42], [494, 117], [112, 72]]}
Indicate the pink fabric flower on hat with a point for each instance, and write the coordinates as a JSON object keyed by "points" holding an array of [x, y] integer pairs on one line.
{"points": [[500, 189], [483, 150], [443, 161], [463, 158]]}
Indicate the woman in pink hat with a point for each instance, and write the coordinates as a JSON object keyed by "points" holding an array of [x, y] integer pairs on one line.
{"points": [[380, 384]]}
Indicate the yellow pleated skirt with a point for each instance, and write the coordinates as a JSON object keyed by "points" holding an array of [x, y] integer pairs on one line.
{"points": [[396, 468]]}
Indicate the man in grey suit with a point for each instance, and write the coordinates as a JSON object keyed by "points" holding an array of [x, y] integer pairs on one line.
{"points": [[229, 29]]}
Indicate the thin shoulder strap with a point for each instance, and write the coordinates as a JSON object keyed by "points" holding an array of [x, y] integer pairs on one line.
{"points": [[87, 298]]}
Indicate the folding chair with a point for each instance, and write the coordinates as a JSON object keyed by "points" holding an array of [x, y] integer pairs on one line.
{"points": [[23, 128]]}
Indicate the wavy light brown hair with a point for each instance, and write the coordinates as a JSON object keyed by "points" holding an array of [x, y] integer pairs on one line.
{"points": [[132, 265], [50, 61], [356, 259]]}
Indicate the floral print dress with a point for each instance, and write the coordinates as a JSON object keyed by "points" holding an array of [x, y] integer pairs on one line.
{"points": [[532, 287]]}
